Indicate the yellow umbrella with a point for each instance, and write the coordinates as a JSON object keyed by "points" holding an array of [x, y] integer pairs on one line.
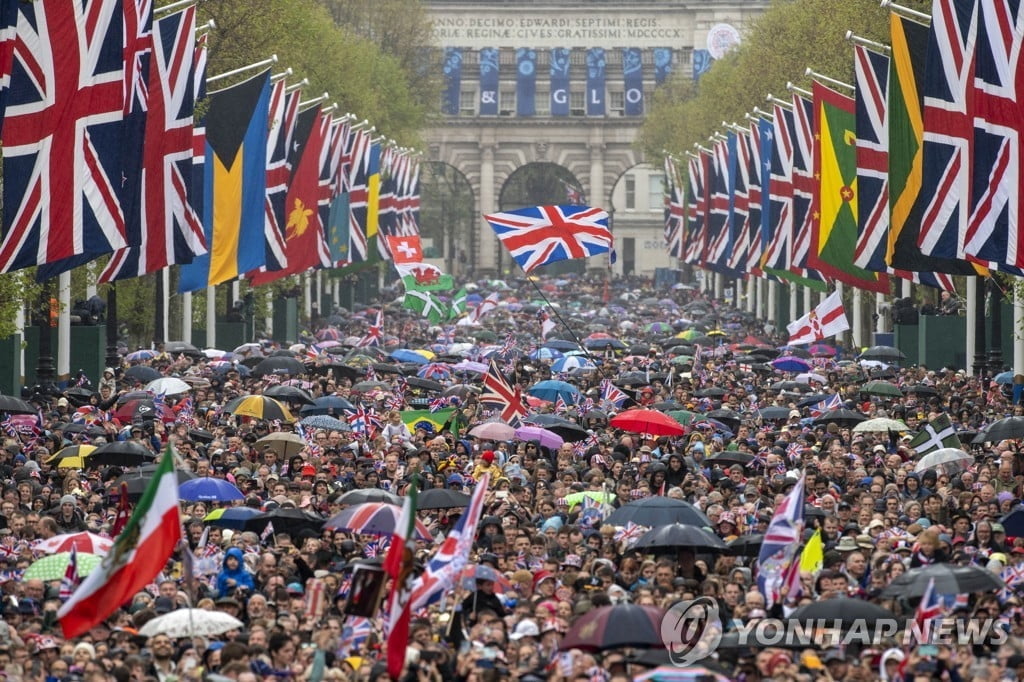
{"points": [[71, 457], [259, 407], [425, 353]]}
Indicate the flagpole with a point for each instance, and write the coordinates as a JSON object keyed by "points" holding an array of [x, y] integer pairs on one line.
{"points": [[906, 12], [181, 4], [864, 42], [555, 311], [272, 59], [825, 79]]}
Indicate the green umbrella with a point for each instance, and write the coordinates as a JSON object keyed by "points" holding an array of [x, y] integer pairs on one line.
{"points": [[684, 417], [54, 566], [883, 388], [601, 496]]}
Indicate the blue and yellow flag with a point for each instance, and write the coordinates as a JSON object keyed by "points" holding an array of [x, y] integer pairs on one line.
{"points": [[235, 184], [373, 241]]}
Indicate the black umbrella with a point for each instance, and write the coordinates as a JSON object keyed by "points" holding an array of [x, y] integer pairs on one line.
{"points": [[1013, 523], [658, 511], [791, 386], [773, 412], [711, 392], [746, 545], [616, 627], [632, 379], [843, 609], [1008, 428], [133, 395], [949, 579], [569, 431], [138, 481], [441, 498], [681, 535], [883, 353], [727, 417], [425, 384], [141, 373], [120, 453], [362, 495], [841, 417], [339, 369], [283, 366], [182, 348], [328, 404], [921, 389], [730, 457], [13, 405], [79, 396], [289, 521], [290, 394]]}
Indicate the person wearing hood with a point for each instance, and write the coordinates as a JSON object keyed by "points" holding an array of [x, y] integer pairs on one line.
{"points": [[912, 488], [108, 380], [233, 574], [889, 666]]}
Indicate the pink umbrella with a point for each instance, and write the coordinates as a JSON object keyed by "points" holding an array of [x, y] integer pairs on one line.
{"points": [[87, 543], [493, 431], [548, 439]]}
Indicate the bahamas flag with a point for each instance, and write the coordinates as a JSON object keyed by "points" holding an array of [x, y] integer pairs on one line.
{"points": [[234, 185], [834, 236]]}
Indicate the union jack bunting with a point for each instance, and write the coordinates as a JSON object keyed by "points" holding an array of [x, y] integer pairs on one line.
{"points": [[545, 234], [444, 568], [996, 204], [696, 213], [739, 201], [499, 394], [755, 199], [63, 134], [675, 211], [166, 226]]}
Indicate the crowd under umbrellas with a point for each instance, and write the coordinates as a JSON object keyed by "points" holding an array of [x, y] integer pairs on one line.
{"points": [[655, 442]]}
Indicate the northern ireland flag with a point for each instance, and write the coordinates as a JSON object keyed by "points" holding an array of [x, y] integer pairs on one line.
{"points": [[826, 320], [138, 555]]}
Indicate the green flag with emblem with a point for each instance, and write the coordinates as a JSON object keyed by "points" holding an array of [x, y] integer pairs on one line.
{"points": [[936, 434]]}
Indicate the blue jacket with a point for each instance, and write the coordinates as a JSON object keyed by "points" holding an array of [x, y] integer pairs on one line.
{"points": [[242, 577]]}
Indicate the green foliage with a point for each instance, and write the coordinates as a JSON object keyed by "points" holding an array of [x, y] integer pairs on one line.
{"points": [[789, 37], [16, 289]]}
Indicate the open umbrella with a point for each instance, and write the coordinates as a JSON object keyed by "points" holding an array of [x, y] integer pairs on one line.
{"points": [[234, 518], [71, 457], [615, 627], [790, 363], [135, 410], [681, 535], [283, 443], [209, 489], [729, 457], [746, 545], [289, 394], [880, 425], [949, 579], [84, 543], [546, 438], [141, 373], [183, 623], [280, 365], [258, 407], [843, 610], [442, 498], [883, 353], [289, 521], [642, 420], [881, 388], [1005, 429], [552, 390], [373, 518], [137, 481], [333, 405], [569, 431], [941, 458], [322, 421], [13, 405], [168, 386], [361, 495], [841, 417], [493, 431], [120, 453], [54, 566], [658, 511]]}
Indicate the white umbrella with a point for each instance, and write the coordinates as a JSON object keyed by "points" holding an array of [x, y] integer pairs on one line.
{"points": [[191, 623], [880, 425], [808, 377], [168, 386], [215, 353], [941, 457]]}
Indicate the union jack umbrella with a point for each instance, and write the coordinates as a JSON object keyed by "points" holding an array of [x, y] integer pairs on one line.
{"points": [[545, 234], [88, 543], [373, 518]]}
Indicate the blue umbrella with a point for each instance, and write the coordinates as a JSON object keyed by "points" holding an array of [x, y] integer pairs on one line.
{"points": [[322, 421], [571, 362], [1004, 378], [791, 363], [553, 390], [209, 489], [233, 518], [406, 355], [474, 298], [328, 404], [545, 354]]}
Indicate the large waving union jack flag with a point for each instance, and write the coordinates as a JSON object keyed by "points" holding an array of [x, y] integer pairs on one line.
{"points": [[62, 134], [498, 393], [781, 541], [545, 234]]}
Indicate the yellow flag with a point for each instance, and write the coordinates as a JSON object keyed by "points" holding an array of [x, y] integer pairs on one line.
{"points": [[813, 556]]}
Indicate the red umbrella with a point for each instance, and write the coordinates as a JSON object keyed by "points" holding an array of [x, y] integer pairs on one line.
{"points": [[143, 409], [374, 518], [88, 543], [647, 421]]}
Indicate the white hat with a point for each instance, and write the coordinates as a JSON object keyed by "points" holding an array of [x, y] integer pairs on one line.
{"points": [[525, 628]]}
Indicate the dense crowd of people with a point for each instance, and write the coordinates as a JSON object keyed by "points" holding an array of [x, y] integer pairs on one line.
{"points": [[544, 556]]}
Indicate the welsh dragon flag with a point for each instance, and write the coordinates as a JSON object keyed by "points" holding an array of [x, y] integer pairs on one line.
{"points": [[138, 555], [399, 565]]}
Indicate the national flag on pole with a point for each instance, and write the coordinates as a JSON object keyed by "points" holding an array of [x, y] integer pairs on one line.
{"points": [[936, 434], [374, 333], [139, 554], [499, 394], [781, 540], [485, 306], [927, 611], [460, 303], [268, 532], [284, 110], [826, 320], [443, 569], [426, 304], [827, 405], [71, 579], [405, 249], [611, 394], [545, 234], [675, 211], [399, 564], [423, 276]]}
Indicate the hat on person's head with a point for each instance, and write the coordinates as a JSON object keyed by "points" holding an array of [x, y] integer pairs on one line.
{"points": [[69, 499], [847, 544], [308, 470], [998, 528], [833, 655], [573, 560], [541, 576], [778, 659], [163, 605], [876, 523], [865, 542], [525, 628], [46, 642], [294, 588], [62, 402]]}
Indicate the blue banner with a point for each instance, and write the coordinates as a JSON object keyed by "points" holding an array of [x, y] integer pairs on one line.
{"points": [[633, 81], [526, 81], [560, 81], [489, 81], [452, 80], [596, 67], [662, 64], [702, 61]]}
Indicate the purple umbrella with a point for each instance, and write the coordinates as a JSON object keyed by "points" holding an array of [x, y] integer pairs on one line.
{"points": [[546, 438], [791, 363], [468, 366]]}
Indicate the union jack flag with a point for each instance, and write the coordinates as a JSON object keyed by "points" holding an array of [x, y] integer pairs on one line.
{"points": [[373, 334], [993, 230], [186, 413], [611, 394], [284, 110], [738, 147], [777, 225], [629, 533], [718, 243], [927, 611], [675, 211], [441, 402], [71, 578], [63, 134], [446, 565], [446, 335], [872, 78], [498, 393], [486, 306], [580, 448], [376, 548], [696, 210], [545, 234], [804, 185], [586, 405], [354, 635], [1013, 578], [357, 151], [166, 226], [781, 540], [756, 191], [560, 406], [827, 405]]}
